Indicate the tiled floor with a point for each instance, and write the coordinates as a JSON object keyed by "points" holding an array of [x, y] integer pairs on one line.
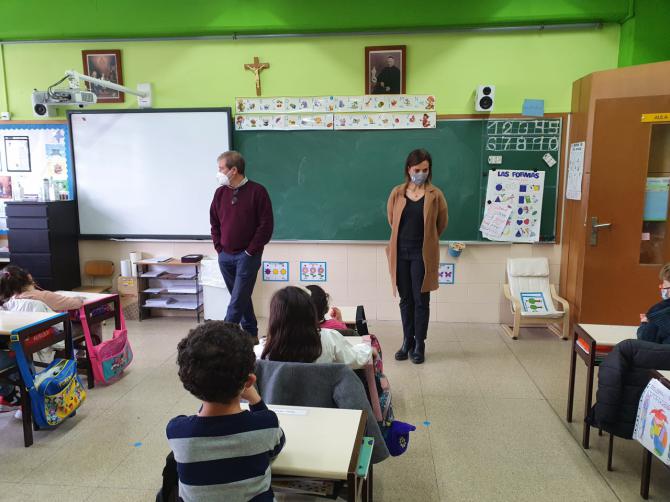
{"points": [[490, 414]]}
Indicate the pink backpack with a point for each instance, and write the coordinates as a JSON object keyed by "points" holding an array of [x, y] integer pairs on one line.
{"points": [[111, 357]]}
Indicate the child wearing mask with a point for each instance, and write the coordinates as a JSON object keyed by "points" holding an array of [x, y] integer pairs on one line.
{"points": [[655, 324]]}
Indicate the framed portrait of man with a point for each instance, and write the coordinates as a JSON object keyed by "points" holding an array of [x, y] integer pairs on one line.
{"points": [[105, 65], [385, 69]]}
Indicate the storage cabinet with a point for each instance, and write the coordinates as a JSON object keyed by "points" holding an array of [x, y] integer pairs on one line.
{"points": [[43, 239]]}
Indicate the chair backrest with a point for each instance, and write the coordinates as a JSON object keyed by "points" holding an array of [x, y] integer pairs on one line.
{"points": [[529, 275], [26, 305], [99, 268], [318, 385]]}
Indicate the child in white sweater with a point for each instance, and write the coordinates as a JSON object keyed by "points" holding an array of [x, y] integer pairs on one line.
{"points": [[294, 334]]}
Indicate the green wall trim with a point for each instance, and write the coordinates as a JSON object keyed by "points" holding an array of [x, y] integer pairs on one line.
{"points": [[541, 65], [87, 19]]}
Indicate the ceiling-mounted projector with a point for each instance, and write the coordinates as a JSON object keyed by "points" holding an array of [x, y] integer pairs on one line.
{"points": [[44, 100]]}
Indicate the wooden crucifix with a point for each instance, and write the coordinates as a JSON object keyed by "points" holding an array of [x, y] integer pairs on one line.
{"points": [[257, 67]]}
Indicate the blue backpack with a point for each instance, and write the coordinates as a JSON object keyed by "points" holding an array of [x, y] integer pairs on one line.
{"points": [[55, 392]]}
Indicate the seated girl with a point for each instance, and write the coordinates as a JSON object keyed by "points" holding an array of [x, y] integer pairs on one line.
{"points": [[18, 284], [320, 299], [18, 292], [294, 334]]}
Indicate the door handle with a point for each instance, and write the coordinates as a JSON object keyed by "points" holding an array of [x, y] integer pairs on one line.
{"points": [[595, 226]]}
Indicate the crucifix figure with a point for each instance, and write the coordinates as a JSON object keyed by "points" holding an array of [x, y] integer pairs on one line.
{"points": [[257, 67]]}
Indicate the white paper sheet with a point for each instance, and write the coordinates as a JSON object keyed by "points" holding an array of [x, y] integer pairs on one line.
{"points": [[575, 171]]}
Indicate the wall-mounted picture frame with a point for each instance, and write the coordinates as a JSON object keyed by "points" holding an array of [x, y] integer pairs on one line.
{"points": [[105, 65], [17, 154], [385, 69]]}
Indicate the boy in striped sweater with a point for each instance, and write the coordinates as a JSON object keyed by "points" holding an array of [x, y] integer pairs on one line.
{"points": [[223, 452]]}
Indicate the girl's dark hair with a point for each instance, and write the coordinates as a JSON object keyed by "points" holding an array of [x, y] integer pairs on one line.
{"points": [[320, 300], [417, 157], [293, 331], [13, 280]]}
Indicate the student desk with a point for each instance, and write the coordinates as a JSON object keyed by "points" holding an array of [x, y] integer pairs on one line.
{"points": [[591, 338], [323, 443], [20, 326], [664, 378], [91, 302]]}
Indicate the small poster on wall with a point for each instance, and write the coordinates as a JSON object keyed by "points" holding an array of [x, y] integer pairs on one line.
{"points": [[275, 271], [313, 271], [446, 273]]}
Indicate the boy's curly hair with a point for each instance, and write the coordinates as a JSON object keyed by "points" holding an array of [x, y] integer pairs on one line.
{"points": [[215, 360]]}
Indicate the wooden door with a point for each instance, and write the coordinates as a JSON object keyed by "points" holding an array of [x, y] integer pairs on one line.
{"points": [[616, 286]]}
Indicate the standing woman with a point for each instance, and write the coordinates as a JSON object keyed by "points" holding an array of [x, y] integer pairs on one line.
{"points": [[417, 213]]}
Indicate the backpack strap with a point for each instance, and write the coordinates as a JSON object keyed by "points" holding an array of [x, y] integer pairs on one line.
{"points": [[87, 332], [26, 374]]}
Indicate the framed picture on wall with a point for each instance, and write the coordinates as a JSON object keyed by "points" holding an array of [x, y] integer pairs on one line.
{"points": [[105, 65], [385, 69]]}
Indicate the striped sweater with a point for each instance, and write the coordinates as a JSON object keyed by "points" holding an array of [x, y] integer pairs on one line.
{"points": [[226, 457]]}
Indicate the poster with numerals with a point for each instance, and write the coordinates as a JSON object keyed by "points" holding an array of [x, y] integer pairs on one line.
{"points": [[522, 191]]}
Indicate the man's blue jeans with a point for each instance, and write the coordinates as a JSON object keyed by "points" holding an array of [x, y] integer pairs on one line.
{"points": [[239, 273]]}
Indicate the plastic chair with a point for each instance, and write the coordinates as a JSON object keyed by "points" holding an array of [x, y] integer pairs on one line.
{"points": [[532, 298], [94, 270]]}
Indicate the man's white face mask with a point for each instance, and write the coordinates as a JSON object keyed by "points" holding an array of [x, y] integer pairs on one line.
{"points": [[222, 179]]}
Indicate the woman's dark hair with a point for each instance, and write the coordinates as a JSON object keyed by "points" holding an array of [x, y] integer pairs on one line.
{"points": [[13, 280], [320, 300], [293, 330], [215, 360], [417, 157]]}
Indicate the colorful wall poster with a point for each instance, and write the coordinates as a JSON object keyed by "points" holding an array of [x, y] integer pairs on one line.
{"points": [[446, 273], [534, 303], [313, 271], [522, 191], [275, 271], [651, 423]]}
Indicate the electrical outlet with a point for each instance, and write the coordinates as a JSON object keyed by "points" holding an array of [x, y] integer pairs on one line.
{"points": [[5, 115]]}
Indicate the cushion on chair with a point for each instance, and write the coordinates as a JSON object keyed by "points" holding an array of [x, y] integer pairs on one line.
{"points": [[531, 275], [528, 267]]}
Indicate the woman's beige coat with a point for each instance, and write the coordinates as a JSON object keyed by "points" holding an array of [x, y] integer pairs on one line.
{"points": [[435, 219]]}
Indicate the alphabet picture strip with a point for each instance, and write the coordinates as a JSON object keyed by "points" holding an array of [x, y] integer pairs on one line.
{"points": [[313, 271], [275, 271]]}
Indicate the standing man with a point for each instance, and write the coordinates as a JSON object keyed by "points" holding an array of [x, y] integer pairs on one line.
{"points": [[242, 223]]}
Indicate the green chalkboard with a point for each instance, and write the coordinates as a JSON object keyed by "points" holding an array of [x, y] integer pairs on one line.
{"points": [[333, 185]]}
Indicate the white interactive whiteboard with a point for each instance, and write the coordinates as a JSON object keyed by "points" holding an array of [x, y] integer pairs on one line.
{"points": [[147, 173]]}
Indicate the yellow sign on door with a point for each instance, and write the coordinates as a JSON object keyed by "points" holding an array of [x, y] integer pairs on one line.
{"points": [[656, 117]]}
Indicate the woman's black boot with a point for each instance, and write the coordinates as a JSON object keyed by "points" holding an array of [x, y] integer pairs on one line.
{"points": [[418, 354], [407, 346]]}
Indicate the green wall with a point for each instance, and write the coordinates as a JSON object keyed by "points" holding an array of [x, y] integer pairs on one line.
{"points": [[42, 19], [645, 37], [210, 73]]}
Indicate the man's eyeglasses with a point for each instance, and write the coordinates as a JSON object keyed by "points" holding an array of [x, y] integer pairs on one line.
{"points": [[660, 286], [234, 199]]}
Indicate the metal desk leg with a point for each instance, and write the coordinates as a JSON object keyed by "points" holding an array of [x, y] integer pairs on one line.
{"points": [[646, 474], [27, 416], [590, 371], [571, 385]]}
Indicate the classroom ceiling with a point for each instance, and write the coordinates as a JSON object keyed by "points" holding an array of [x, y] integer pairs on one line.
{"points": [[91, 19]]}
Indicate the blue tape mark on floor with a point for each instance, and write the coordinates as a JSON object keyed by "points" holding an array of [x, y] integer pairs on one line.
{"points": [[426, 423], [137, 445]]}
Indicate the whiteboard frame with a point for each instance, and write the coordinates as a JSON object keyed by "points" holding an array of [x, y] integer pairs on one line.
{"points": [[158, 237]]}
